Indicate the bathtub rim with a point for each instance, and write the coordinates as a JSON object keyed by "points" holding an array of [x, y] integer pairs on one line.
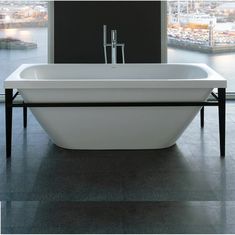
{"points": [[213, 80]]}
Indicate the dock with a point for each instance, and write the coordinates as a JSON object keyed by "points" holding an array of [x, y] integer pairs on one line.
{"points": [[201, 47]]}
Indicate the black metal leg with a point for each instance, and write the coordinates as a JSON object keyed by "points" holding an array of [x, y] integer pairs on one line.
{"points": [[8, 117], [25, 116], [222, 117], [202, 117]]}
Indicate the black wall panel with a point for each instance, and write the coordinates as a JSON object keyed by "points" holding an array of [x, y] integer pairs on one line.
{"points": [[78, 30]]}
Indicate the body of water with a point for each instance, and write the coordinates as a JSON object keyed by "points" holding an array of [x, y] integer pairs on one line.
{"points": [[11, 59]]}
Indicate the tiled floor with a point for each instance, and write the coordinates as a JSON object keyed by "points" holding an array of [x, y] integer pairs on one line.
{"points": [[187, 188]]}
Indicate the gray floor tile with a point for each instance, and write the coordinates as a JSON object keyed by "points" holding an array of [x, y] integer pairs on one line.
{"points": [[144, 191]]}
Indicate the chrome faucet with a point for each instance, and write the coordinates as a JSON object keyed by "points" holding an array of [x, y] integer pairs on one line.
{"points": [[113, 46]]}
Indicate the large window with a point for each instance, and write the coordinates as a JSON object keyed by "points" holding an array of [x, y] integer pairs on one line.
{"points": [[203, 32], [23, 35]]}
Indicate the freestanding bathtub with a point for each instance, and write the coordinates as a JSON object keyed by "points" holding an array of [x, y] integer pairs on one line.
{"points": [[114, 127]]}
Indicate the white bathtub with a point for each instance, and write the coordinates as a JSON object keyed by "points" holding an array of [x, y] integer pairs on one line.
{"points": [[114, 127]]}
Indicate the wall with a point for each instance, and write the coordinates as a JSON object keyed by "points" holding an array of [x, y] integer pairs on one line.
{"points": [[78, 30]]}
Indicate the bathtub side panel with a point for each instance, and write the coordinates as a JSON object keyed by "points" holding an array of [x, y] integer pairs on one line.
{"points": [[119, 127]]}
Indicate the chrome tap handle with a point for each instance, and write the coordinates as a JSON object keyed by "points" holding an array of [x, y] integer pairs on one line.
{"points": [[123, 54]]}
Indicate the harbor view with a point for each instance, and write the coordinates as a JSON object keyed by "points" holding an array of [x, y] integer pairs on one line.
{"points": [[23, 35], [203, 32], [198, 31]]}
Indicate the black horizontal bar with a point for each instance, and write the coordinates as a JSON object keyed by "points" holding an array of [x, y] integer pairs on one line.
{"points": [[115, 104]]}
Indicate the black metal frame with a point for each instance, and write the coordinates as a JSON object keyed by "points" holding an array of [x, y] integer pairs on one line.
{"points": [[219, 101]]}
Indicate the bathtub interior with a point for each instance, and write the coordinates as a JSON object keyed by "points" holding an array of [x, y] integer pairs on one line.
{"points": [[108, 71]]}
